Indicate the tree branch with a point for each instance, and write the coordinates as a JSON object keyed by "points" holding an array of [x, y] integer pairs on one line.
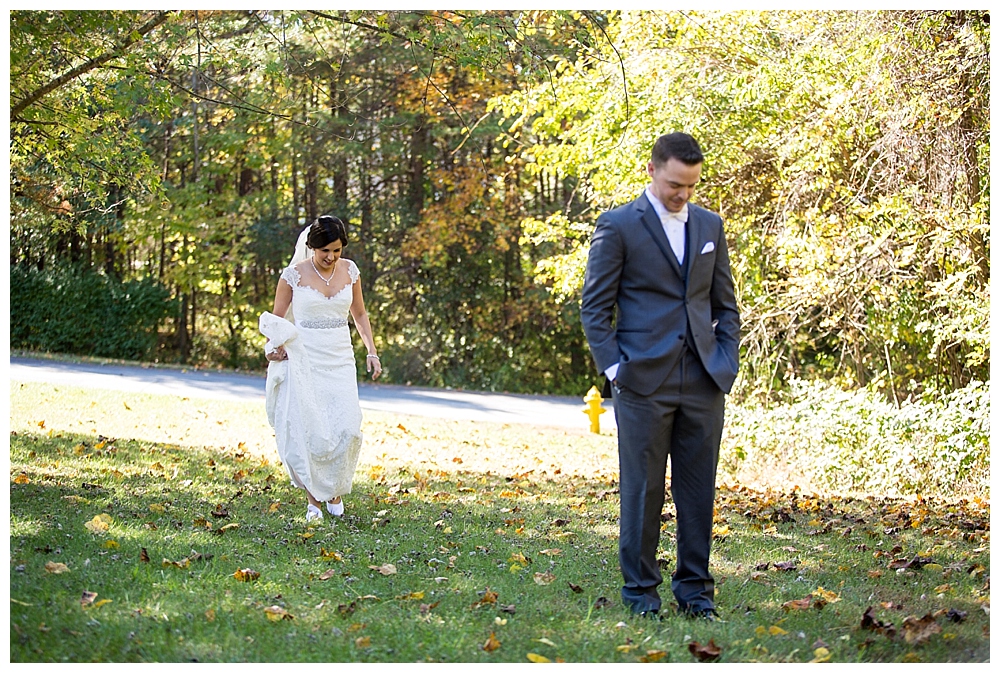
{"points": [[133, 37]]}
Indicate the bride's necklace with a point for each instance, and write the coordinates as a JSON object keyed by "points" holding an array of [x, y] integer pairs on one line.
{"points": [[325, 280]]}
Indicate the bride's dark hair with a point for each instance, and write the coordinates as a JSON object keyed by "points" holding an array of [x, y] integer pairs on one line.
{"points": [[325, 230]]}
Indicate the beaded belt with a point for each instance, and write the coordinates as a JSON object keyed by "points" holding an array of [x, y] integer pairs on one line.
{"points": [[324, 323]]}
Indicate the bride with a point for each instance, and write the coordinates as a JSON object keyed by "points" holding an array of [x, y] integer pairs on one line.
{"points": [[312, 389]]}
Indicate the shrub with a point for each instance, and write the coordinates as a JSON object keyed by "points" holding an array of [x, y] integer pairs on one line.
{"points": [[81, 311], [855, 442]]}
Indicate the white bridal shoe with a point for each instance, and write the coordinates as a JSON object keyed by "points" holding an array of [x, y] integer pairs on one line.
{"points": [[313, 513], [336, 510]]}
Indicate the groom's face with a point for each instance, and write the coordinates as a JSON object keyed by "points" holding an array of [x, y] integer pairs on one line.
{"points": [[673, 182]]}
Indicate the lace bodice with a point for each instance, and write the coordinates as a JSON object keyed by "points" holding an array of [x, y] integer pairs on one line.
{"points": [[312, 309]]}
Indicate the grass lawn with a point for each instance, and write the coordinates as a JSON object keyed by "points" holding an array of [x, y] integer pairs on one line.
{"points": [[153, 528]]}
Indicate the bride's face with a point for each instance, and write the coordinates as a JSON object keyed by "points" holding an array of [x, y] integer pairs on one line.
{"points": [[326, 257]]}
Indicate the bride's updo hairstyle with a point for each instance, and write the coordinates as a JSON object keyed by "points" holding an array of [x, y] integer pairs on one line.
{"points": [[325, 230]]}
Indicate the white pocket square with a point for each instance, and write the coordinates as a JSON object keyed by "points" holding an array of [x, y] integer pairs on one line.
{"points": [[709, 247]]}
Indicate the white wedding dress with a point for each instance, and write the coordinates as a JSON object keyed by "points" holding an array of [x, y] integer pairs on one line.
{"points": [[312, 397]]}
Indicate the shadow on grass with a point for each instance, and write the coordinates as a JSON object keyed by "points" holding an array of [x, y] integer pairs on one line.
{"points": [[433, 566]]}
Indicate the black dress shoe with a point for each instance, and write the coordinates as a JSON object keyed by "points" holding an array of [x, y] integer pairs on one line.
{"points": [[705, 614], [650, 614]]}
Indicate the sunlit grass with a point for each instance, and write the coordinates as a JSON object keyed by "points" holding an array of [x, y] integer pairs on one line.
{"points": [[459, 509]]}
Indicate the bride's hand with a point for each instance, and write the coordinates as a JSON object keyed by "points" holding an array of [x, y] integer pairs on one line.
{"points": [[373, 364], [277, 355]]}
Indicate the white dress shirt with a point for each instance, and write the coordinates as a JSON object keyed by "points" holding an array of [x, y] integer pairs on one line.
{"points": [[673, 227]]}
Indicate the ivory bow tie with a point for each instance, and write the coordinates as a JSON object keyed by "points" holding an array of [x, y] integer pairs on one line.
{"points": [[680, 216]]}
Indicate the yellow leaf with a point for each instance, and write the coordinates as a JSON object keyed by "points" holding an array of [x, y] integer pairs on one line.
{"points": [[246, 575], [760, 631], [99, 524], [100, 445], [103, 601], [22, 479], [828, 596], [514, 568], [538, 659], [652, 655], [276, 613], [545, 641], [820, 654], [79, 449], [942, 588], [330, 555], [447, 531], [776, 631], [111, 544], [157, 509], [626, 648], [364, 641], [210, 615], [412, 596], [551, 552], [274, 507], [517, 557]]}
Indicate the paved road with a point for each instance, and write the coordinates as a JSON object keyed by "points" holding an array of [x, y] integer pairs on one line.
{"points": [[438, 403]]}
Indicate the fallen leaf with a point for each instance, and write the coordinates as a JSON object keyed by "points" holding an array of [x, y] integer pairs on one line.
{"points": [[276, 613], [346, 609], [577, 589], [22, 479], [111, 544], [56, 568], [87, 598], [327, 575], [491, 643], [787, 566], [99, 524], [144, 555], [538, 659], [489, 598], [517, 557], [551, 552], [798, 604], [544, 578], [828, 596], [246, 575], [185, 563], [222, 530], [363, 642], [385, 569], [655, 655], [776, 631], [210, 614], [425, 607], [330, 555], [509, 609], [273, 507], [709, 652], [917, 631], [870, 622], [412, 596], [820, 654], [103, 601], [157, 509], [220, 512], [545, 641], [602, 602]]}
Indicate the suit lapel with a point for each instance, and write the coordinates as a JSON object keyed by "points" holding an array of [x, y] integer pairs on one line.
{"points": [[652, 224], [695, 241]]}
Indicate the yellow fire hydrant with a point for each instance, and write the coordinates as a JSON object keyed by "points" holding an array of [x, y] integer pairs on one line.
{"points": [[594, 410]]}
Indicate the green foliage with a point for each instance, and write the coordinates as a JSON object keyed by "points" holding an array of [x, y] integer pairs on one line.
{"points": [[855, 442], [77, 310]]}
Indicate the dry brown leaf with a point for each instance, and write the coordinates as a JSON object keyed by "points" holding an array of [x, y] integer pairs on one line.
{"points": [[87, 598], [577, 589], [919, 630], [210, 615], [246, 575], [56, 568], [144, 555], [551, 552], [363, 642], [489, 597], [709, 652], [544, 578], [22, 479], [327, 575], [385, 569], [491, 643]]}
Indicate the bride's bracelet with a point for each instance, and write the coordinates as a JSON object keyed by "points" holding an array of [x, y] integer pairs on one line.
{"points": [[373, 356]]}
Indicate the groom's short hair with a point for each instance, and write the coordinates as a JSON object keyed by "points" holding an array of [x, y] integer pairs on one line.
{"points": [[678, 146]]}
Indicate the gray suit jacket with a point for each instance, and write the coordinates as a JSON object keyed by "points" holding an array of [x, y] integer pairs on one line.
{"points": [[631, 267]]}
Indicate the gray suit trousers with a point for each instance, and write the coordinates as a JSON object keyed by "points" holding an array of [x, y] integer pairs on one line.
{"points": [[682, 419]]}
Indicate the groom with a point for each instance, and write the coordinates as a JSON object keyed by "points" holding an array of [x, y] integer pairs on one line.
{"points": [[660, 315]]}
